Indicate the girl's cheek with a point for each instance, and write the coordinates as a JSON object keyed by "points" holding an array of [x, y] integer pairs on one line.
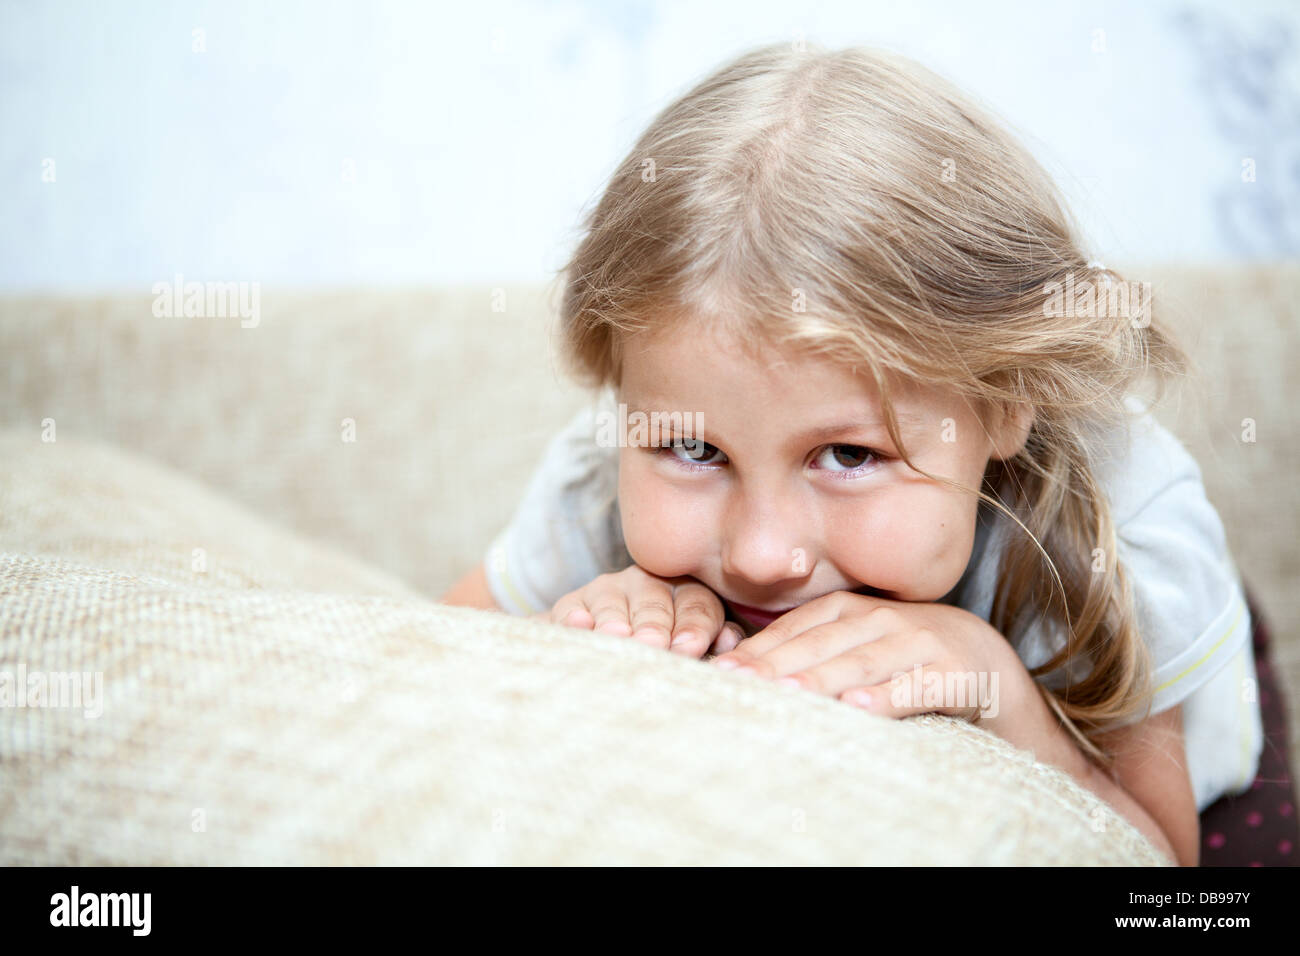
{"points": [[662, 547], [662, 528], [868, 545], [908, 543]]}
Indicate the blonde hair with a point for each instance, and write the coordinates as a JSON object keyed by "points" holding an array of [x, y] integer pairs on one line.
{"points": [[920, 238]]}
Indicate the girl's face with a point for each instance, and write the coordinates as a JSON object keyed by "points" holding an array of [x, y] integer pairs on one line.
{"points": [[798, 491]]}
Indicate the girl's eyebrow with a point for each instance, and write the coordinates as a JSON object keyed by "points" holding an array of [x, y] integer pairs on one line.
{"points": [[830, 431], [823, 432]]}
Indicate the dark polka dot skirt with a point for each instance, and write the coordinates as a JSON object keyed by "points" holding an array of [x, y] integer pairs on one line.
{"points": [[1258, 827]]}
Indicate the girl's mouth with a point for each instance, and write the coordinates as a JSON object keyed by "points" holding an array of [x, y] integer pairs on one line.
{"points": [[760, 618], [756, 617]]}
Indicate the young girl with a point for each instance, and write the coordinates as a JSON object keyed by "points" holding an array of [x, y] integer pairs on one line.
{"points": [[915, 450]]}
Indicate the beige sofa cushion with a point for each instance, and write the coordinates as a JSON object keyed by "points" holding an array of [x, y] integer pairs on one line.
{"points": [[275, 702]]}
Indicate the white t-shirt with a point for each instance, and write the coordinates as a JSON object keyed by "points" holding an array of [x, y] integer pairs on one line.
{"points": [[1190, 605]]}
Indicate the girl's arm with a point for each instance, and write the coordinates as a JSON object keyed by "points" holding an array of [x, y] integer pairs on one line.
{"points": [[472, 591], [1151, 765], [1150, 785]]}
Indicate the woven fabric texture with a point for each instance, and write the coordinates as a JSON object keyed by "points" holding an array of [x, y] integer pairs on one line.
{"points": [[265, 700]]}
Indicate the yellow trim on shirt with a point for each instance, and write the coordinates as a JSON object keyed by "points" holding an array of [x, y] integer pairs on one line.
{"points": [[502, 570], [1241, 609]]}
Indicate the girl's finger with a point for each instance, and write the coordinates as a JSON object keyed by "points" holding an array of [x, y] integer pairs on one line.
{"points": [[855, 664], [928, 691], [785, 627], [821, 645], [697, 619], [883, 619], [651, 604], [609, 608], [572, 611], [727, 638]]}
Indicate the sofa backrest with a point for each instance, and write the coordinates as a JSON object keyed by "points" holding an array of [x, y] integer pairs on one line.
{"points": [[453, 393]]}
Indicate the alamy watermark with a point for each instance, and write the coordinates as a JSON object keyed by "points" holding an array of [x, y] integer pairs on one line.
{"points": [[647, 430], [1084, 298], [76, 908], [935, 689], [53, 689], [208, 300]]}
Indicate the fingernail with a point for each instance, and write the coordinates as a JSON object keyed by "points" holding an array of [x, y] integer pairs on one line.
{"points": [[726, 663], [615, 627], [789, 682], [681, 637], [860, 698]]}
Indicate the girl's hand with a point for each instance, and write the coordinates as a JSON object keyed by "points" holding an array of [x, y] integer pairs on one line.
{"points": [[894, 658], [677, 614]]}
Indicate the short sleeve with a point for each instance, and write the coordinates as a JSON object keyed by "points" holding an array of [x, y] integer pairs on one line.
{"points": [[565, 531], [1192, 612], [1190, 606]]}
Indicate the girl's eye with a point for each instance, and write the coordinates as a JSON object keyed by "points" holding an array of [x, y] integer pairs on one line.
{"points": [[846, 459], [691, 452]]}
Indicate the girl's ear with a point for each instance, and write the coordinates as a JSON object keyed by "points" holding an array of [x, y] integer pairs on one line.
{"points": [[1011, 429]]}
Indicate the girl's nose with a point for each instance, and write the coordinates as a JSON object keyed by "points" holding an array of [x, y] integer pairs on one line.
{"points": [[766, 544]]}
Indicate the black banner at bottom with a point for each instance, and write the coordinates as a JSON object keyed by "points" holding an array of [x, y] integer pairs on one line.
{"points": [[335, 905]]}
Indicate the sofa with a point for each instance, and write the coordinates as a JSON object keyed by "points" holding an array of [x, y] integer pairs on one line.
{"points": [[239, 534]]}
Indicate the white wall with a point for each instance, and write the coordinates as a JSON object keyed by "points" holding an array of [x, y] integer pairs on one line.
{"points": [[478, 131]]}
